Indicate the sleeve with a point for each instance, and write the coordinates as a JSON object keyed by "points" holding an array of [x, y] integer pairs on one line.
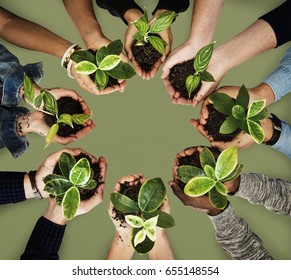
{"points": [[235, 237], [279, 19], [11, 76], [45, 241], [173, 5], [283, 144], [11, 187], [118, 8]]}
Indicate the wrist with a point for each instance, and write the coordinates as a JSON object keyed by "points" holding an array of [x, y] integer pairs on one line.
{"points": [[54, 214], [272, 128], [132, 15]]}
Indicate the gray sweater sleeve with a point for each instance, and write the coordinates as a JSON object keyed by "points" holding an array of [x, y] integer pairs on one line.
{"points": [[235, 237], [273, 193]]}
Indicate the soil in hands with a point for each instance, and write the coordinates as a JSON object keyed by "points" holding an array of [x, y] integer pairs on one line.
{"points": [[146, 56], [66, 105], [178, 75], [84, 193], [213, 124]]}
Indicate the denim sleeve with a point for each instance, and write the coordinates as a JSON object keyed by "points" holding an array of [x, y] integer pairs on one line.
{"points": [[283, 143], [11, 76], [279, 80], [235, 237]]}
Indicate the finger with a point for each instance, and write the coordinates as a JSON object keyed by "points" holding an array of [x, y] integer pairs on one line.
{"points": [[53, 158], [177, 191], [83, 132], [165, 207], [169, 87], [136, 67], [154, 69], [205, 90], [122, 85], [103, 169]]}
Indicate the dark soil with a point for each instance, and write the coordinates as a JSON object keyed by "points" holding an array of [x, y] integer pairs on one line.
{"points": [[85, 194], [178, 75], [212, 126], [146, 56], [132, 193], [66, 105]]}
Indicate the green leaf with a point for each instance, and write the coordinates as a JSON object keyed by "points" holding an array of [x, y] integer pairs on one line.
{"points": [[162, 22], [66, 163], [187, 172], [151, 223], [209, 171], [83, 55], [101, 54], [203, 57], [51, 134], [192, 83], [229, 125], [222, 103], [38, 100], [165, 220], [217, 200], [115, 47], [134, 221], [238, 112], [256, 131], [59, 200], [256, 107], [51, 177], [235, 173], [221, 188], [81, 172], [80, 118], [151, 195], [141, 25], [139, 237], [139, 38], [57, 186], [207, 158], [206, 76], [50, 103], [67, 119], [260, 116], [85, 67], [123, 203], [92, 184], [226, 163], [101, 77], [122, 71], [243, 97], [151, 233], [143, 247], [158, 43], [199, 186], [71, 202], [28, 89], [109, 62]]}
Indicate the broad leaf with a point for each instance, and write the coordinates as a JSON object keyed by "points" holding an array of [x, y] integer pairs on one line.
{"points": [[222, 103], [235, 173], [229, 125], [256, 131], [38, 100], [57, 186], [122, 71], [101, 78], [80, 118], [151, 195], [143, 247], [187, 172], [256, 107], [101, 54], [81, 172], [221, 188], [67, 119], [142, 26], [206, 157], [203, 57], [85, 67], [162, 22], [66, 163], [51, 177], [238, 112], [51, 134], [260, 116], [109, 62], [83, 55], [217, 200], [92, 184], [243, 97], [134, 221], [209, 171], [115, 47], [50, 103], [151, 223], [151, 233], [71, 202], [139, 237], [206, 76], [123, 203], [158, 43], [139, 38], [199, 186], [28, 89], [226, 163], [192, 83], [165, 220]]}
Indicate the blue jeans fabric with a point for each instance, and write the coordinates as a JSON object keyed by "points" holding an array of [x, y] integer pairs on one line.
{"points": [[11, 80]]}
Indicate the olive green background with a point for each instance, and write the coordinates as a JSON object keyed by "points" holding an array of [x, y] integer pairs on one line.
{"points": [[141, 131]]}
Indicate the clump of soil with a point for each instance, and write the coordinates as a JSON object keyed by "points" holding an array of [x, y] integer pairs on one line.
{"points": [[84, 193], [178, 75], [213, 124], [66, 105], [146, 56]]}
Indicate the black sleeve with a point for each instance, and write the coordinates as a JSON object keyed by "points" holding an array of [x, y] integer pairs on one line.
{"points": [[45, 241], [280, 19], [173, 5]]}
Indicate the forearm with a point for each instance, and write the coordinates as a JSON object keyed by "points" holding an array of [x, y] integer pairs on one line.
{"points": [[29, 35], [162, 249], [235, 237]]}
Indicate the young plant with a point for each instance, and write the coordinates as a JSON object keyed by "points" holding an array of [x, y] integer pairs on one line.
{"points": [[50, 106], [144, 215], [106, 62], [65, 187], [200, 65], [210, 179], [240, 115], [148, 32]]}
